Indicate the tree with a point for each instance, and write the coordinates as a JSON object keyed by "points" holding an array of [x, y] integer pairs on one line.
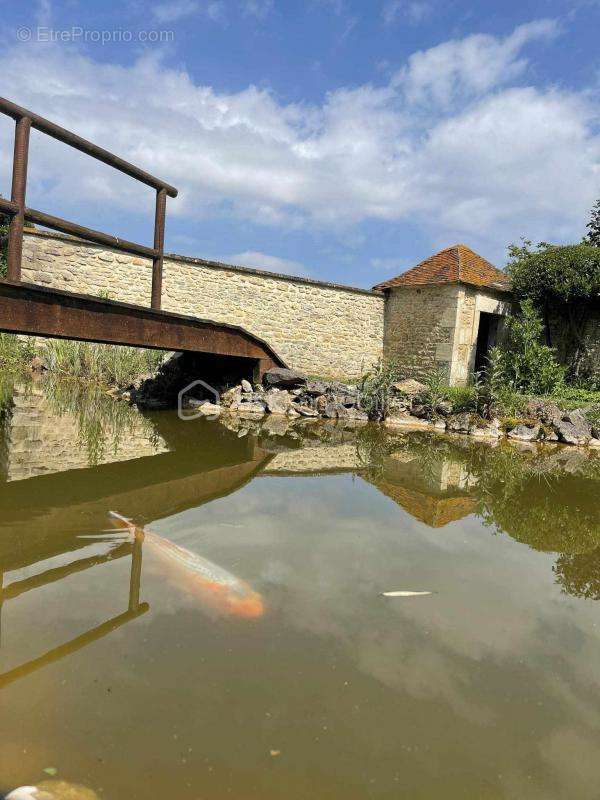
{"points": [[593, 226], [563, 283]]}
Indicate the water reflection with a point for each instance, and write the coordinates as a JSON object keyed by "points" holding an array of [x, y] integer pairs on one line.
{"points": [[489, 688], [13, 590]]}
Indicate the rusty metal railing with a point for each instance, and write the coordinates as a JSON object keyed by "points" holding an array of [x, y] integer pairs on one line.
{"points": [[19, 213]]}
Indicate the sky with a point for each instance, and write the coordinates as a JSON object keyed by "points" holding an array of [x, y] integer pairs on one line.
{"points": [[336, 139]]}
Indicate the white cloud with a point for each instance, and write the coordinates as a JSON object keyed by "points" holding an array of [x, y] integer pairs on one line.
{"points": [[258, 260], [257, 8], [469, 66], [492, 165], [395, 10], [174, 10]]}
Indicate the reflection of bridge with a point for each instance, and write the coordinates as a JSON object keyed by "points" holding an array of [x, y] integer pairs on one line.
{"points": [[38, 311], [134, 610]]}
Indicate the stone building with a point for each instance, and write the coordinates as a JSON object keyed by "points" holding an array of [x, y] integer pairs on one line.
{"points": [[445, 314]]}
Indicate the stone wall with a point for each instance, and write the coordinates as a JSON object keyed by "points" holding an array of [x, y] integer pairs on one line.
{"points": [[562, 341], [319, 328], [419, 328]]}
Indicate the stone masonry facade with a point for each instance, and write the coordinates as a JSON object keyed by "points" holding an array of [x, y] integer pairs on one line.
{"points": [[434, 328], [321, 329]]}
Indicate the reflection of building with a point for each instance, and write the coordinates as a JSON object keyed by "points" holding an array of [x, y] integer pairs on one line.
{"points": [[41, 440], [436, 493]]}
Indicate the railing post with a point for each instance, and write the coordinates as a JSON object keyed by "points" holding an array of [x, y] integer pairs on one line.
{"points": [[19, 185], [159, 244]]}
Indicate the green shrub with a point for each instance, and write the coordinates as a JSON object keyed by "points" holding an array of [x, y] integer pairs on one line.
{"points": [[375, 389], [463, 398], [522, 362], [15, 351]]}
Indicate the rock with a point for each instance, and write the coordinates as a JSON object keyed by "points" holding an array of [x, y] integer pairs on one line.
{"points": [[491, 430], [421, 411], [440, 425], [253, 409], [278, 401], [524, 433], [37, 365], [595, 442], [315, 388], [406, 420], [292, 413], [546, 411], [283, 378], [460, 423], [209, 409], [579, 432], [352, 413], [305, 411], [231, 396], [444, 408], [321, 403], [246, 386], [409, 387]]}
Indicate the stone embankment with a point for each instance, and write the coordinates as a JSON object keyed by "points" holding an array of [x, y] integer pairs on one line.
{"points": [[288, 395]]}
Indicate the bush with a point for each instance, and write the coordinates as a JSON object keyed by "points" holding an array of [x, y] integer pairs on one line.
{"points": [[15, 351], [521, 362], [562, 282], [375, 389]]}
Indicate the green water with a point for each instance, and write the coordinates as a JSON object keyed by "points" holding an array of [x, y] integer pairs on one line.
{"points": [[264, 662]]}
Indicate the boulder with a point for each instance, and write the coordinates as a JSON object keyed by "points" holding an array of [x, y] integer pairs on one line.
{"points": [[278, 401], [406, 421], [444, 407], [231, 396], [252, 408], [409, 387], [460, 423], [209, 409], [524, 433], [246, 386], [305, 411], [315, 388], [283, 378], [573, 432], [488, 430]]}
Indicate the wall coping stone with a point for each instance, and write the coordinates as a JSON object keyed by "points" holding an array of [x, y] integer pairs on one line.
{"points": [[218, 265]]}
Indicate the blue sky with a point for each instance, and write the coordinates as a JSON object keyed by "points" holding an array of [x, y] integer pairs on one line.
{"points": [[340, 139]]}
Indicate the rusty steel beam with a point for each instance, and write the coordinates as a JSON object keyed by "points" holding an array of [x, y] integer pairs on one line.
{"points": [[159, 245], [19, 185], [40, 311], [63, 135], [7, 207], [63, 225]]}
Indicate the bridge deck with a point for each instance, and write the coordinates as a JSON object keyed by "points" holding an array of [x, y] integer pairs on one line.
{"points": [[55, 313]]}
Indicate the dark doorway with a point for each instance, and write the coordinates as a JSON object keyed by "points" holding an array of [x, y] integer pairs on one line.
{"points": [[486, 339]]}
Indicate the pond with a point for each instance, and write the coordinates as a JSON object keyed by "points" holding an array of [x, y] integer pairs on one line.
{"points": [[194, 610]]}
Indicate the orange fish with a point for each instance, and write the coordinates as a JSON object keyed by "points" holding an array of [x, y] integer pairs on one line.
{"points": [[216, 587]]}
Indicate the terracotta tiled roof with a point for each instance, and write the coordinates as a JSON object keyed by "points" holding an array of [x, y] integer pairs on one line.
{"points": [[456, 264]]}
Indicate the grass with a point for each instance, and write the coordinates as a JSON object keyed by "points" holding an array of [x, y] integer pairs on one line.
{"points": [[105, 364], [102, 364]]}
